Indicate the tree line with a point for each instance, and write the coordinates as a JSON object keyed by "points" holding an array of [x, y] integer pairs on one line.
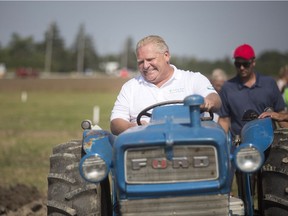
{"points": [[52, 55]]}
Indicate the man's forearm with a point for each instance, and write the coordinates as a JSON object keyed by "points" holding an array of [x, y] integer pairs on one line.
{"points": [[118, 125]]}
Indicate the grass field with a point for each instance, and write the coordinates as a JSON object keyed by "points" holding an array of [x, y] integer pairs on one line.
{"points": [[52, 114]]}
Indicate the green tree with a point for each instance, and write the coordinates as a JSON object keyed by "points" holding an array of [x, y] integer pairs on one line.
{"points": [[128, 58], [22, 52], [91, 59], [83, 52], [56, 56], [270, 62]]}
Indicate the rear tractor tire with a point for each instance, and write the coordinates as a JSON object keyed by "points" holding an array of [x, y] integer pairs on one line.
{"points": [[68, 192], [274, 177]]}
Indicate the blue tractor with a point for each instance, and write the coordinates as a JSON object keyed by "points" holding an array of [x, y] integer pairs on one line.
{"points": [[182, 163]]}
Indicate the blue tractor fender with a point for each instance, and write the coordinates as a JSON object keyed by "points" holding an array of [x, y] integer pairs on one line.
{"points": [[259, 132]]}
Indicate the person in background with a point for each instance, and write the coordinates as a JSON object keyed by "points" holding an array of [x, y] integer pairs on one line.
{"points": [[283, 78], [283, 83], [248, 90], [218, 77], [158, 81]]}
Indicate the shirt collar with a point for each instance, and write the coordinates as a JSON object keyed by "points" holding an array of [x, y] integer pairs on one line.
{"points": [[176, 74], [256, 84]]}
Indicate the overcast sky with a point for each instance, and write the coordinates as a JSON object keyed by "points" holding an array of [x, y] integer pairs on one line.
{"points": [[201, 29]]}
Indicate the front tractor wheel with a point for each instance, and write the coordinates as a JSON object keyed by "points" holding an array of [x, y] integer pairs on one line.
{"points": [[68, 192]]}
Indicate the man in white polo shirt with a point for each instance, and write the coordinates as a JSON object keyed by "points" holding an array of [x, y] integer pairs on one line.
{"points": [[159, 81]]}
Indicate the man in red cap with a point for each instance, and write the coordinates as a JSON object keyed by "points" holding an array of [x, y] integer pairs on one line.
{"points": [[248, 92]]}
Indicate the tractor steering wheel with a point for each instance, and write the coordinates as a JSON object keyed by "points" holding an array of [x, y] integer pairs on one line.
{"points": [[145, 112]]}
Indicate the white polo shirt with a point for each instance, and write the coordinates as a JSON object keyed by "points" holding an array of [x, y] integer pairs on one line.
{"points": [[137, 94]]}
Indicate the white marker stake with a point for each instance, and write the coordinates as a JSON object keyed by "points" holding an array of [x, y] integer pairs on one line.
{"points": [[24, 96], [96, 112]]}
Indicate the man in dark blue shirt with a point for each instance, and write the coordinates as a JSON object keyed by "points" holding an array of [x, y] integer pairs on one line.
{"points": [[248, 90]]}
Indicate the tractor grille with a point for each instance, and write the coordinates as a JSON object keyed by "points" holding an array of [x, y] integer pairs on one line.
{"points": [[184, 206], [187, 163]]}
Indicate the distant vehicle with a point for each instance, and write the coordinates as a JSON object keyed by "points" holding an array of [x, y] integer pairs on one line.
{"points": [[27, 72]]}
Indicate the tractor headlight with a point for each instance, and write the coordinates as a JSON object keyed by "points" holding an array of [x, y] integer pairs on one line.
{"points": [[93, 168], [86, 124], [248, 158]]}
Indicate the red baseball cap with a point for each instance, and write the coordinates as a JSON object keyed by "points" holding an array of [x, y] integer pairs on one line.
{"points": [[244, 51]]}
